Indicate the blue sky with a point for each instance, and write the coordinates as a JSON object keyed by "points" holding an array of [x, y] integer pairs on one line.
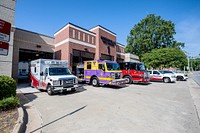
{"points": [[119, 16]]}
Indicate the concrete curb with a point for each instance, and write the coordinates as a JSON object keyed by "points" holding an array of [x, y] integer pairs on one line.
{"points": [[20, 121], [194, 89], [32, 121]]}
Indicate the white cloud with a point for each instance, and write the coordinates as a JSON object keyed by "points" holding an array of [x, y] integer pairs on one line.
{"points": [[188, 31]]}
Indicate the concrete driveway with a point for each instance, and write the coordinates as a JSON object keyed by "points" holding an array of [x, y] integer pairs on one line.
{"points": [[154, 108]]}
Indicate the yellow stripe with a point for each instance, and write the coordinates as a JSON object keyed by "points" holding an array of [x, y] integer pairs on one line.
{"points": [[100, 78], [87, 77]]}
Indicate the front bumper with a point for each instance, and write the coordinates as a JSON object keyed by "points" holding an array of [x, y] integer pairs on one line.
{"points": [[118, 82], [142, 80], [173, 79], [61, 88], [185, 78]]}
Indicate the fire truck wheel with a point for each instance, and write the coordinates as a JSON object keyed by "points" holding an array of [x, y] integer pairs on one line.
{"points": [[95, 82], [49, 90], [129, 80]]}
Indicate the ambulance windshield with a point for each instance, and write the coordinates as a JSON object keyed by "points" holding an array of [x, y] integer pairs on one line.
{"points": [[59, 71], [112, 66]]}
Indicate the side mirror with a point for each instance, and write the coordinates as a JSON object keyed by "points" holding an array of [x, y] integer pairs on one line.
{"points": [[41, 74]]}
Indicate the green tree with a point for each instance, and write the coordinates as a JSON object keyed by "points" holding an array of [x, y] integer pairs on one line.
{"points": [[195, 64], [151, 33], [165, 57]]}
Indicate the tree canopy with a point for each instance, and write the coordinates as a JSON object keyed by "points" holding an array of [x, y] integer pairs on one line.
{"points": [[151, 33], [165, 57]]}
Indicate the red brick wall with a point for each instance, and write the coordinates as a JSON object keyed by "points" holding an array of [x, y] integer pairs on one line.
{"points": [[120, 49], [61, 36], [63, 51], [81, 36], [102, 48]]}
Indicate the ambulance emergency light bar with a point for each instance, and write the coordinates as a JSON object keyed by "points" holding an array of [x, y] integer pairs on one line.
{"points": [[55, 62]]}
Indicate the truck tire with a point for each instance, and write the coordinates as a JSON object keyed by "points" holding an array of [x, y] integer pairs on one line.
{"points": [[49, 90], [95, 82], [166, 80], [179, 78], [129, 79]]}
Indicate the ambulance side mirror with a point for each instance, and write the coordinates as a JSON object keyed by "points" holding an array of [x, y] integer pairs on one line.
{"points": [[41, 74]]}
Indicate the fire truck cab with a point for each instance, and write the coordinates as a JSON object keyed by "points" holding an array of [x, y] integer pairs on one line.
{"points": [[134, 72], [52, 75], [103, 72]]}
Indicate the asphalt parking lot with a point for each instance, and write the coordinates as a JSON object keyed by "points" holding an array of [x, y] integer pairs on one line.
{"points": [[157, 107]]}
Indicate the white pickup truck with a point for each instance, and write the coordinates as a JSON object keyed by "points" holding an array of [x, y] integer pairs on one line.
{"points": [[156, 75], [179, 76]]}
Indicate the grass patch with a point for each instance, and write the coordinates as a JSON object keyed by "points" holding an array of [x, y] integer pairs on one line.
{"points": [[9, 103]]}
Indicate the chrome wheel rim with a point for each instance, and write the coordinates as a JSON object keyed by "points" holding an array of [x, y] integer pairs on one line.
{"points": [[94, 82]]}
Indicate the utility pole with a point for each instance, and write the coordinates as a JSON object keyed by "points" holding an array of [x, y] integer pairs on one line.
{"points": [[188, 63]]}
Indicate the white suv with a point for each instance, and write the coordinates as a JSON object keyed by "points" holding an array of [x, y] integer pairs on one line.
{"points": [[179, 76], [156, 75]]}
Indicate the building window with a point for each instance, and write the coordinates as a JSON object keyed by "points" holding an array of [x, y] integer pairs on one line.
{"points": [[92, 40], [88, 38], [73, 34], [83, 36], [79, 34]]}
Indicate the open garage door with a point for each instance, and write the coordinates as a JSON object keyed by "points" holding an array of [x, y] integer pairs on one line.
{"points": [[80, 57], [28, 55], [25, 56]]}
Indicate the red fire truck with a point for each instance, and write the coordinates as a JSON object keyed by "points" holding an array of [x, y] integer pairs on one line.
{"points": [[134, 72]]}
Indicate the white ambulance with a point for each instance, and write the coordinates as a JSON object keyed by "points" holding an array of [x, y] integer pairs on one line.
{"points": [[23, 70], [52, 75]]}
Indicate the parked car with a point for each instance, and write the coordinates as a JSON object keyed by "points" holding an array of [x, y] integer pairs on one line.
{"points": [[156, 75], [179, 76]]}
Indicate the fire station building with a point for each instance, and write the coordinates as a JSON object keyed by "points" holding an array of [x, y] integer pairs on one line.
{"points": [[76, 44], [72, 43]]}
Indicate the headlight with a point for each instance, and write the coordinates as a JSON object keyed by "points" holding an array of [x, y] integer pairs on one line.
{"points": [[141, 75], [112, 75], [56, 82]]}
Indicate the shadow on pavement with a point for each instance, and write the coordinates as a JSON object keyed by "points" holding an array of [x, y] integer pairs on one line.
{"points": [[145, 84], [59, 119]]}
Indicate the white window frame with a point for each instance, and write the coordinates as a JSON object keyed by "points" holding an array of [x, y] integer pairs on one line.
{"points": [[92, 40], [79, 35], [88, 38], [83, 36], [73, 31]]}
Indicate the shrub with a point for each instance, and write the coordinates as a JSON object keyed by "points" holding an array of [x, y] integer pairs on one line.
{"points": [[9, 103], [7, 87]]}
